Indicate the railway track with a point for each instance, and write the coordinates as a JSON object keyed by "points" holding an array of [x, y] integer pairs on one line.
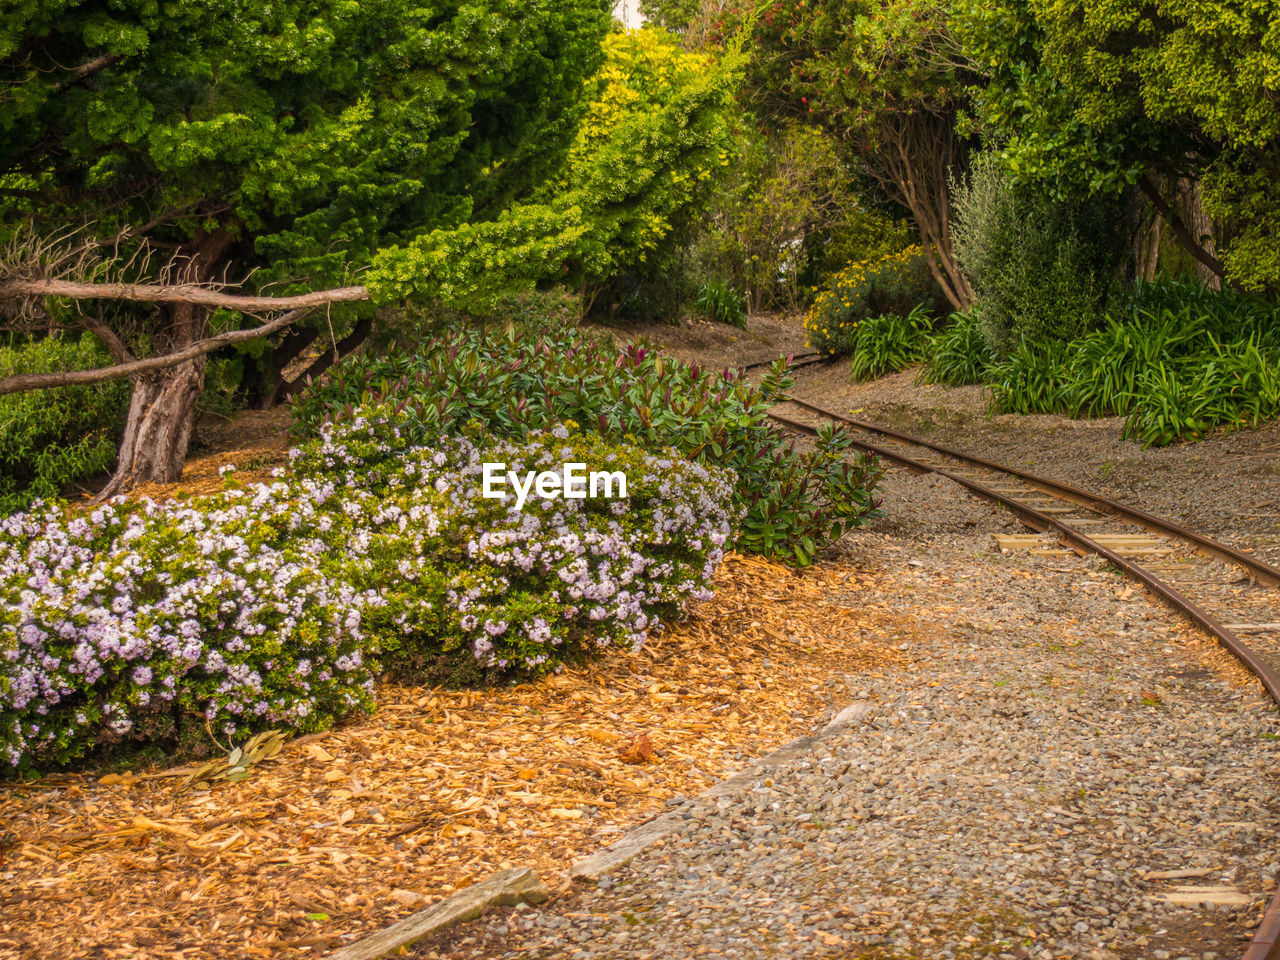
{"points": [[797, 361], [1225, 591]]}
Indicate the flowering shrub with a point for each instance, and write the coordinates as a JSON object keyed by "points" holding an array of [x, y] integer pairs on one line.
{"points": [[894, 283], [518, 591], [792, 500], [135, 620], [276, 604]]}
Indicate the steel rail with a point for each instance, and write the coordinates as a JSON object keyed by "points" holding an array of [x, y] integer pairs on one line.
{"points": [[1260, 569], [1266, 941]]}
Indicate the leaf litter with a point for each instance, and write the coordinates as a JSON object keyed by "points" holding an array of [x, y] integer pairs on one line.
{"points": [[289, 848]]}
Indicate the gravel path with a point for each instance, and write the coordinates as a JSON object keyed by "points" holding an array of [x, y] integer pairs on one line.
{"points": [[1057, 737], [1227, 486]]}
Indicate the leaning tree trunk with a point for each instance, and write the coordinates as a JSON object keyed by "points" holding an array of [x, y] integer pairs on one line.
{"points": [[162, 410], [158, 428], [914, 162]]}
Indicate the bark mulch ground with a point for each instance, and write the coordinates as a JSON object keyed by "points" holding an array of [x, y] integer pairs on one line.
{"points": [[346, 831]]}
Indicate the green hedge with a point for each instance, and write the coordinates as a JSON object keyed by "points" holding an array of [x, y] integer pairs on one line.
{"points": [[51, 439]]}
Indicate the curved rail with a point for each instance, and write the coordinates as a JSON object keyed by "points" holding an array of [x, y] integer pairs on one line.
{"points": [[1258, 568], [1266, 941]]}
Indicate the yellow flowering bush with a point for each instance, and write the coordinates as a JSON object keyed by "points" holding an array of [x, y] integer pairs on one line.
{"points": [[894, 284]]}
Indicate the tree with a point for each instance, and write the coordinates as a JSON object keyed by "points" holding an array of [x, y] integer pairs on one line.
{"points": [[674, 15], [888, 79], [1161, 95], [788, 192], [224, 149], [654, 136]]}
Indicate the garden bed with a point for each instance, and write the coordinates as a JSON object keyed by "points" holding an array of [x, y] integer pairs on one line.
{"points": [[351, 829]]}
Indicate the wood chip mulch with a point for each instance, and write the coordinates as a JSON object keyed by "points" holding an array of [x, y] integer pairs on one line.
{"points": [[346, 831]]}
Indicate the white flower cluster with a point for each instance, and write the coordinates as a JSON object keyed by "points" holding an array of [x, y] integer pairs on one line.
{"points": [[274, 604]]}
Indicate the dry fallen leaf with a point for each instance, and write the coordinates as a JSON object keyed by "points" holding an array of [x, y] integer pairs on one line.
{"points": [[639, 750], [319, 753]]}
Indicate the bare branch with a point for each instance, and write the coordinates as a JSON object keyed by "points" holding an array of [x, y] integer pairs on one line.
{"points": [[36, 381], [176, 293], [115, 346], [86, 70]]}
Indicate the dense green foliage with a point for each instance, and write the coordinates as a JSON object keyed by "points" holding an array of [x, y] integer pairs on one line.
{"points": [[315, 134], [889, 343], [675, 15], [888, 80], [960, 354], [1176, 361], [892, 284], [51, 439], [652, 141], [1043, 270], [1104, 95], [278, 604], [793, 501], [787, 207]]}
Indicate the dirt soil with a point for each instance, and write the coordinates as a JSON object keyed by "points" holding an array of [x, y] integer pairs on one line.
{"points": [[718, 345]]}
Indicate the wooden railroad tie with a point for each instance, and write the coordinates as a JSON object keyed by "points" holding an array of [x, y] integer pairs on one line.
{"points": [[1125, 544]]}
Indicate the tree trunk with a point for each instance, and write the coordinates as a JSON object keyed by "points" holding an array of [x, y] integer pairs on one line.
{"points": [[914, 163], [1191, 207], [351, 342], [162, 409], [264, 396], [1146, 250], [158, 429], [1190, 241]]}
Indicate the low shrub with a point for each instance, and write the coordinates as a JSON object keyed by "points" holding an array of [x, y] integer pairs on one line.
{"points": [[1105, 369], [1227, 314], [277, 604], [720, 303], [895, 283], [505, 387], [50, 439], [533, 313], [1232, 386], [1174, 370], [960, 352], [889, 343], [1029, 380]]}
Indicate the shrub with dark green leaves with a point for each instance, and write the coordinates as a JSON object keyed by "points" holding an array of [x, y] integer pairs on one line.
{"points": [[50, 439], [1042, 269], [1233, 386], [1184, 361], [889, 343], [534, 313], [961, 354], [505, 386], [1030, 380]]}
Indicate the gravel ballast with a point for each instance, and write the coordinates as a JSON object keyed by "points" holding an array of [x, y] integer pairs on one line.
{"points": [[1062, 760]]}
